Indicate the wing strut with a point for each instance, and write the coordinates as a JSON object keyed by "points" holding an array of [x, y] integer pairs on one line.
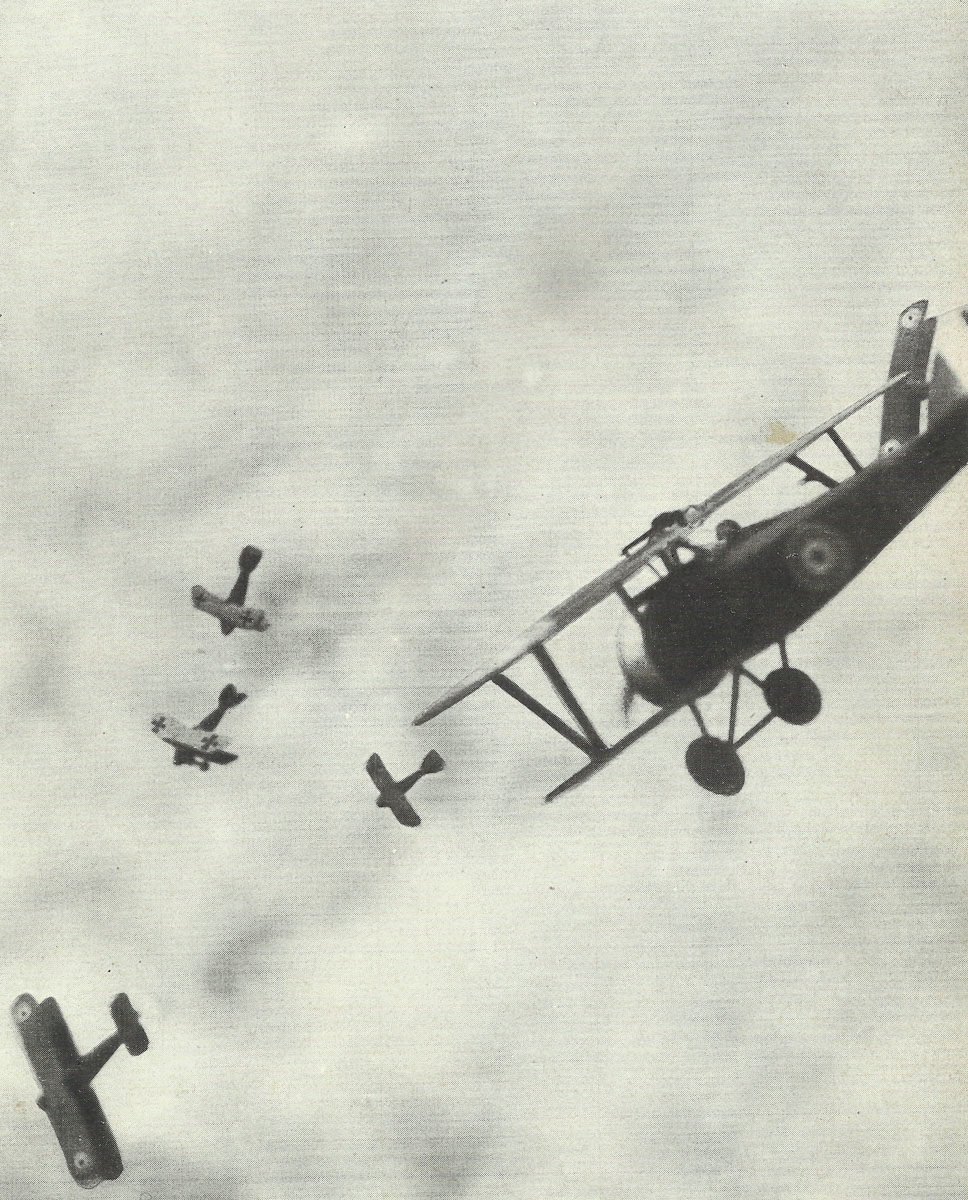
{"points": [[567, 697], [811, 474], [516, 692], [671, 531], [611, 753], [845, 450]]}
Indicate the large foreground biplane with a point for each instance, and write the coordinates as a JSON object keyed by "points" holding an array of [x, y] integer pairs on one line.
{"points": [[65, 1079], [713, 608]]}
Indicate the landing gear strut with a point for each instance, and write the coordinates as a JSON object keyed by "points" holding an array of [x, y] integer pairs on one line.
{"points": [[791, 695]]}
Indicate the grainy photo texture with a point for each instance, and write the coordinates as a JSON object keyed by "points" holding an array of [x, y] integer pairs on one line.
{"points": [[340, 342]]}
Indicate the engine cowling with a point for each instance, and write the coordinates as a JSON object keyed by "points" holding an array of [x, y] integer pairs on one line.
{"points": [[638, 667], [643, 677]]}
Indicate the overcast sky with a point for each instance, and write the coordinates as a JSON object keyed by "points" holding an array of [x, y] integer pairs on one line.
{"points": [[439, 304]]}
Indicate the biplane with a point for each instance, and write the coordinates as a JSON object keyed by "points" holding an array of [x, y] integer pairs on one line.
{"points": [[65, 1077], [231, 612], [199, 746], [393, 795], [711, 608]]}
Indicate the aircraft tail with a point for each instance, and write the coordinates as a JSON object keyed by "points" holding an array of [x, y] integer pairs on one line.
{"points": [[230, 696], [132, 1034], [432, 763], [250, 558], [901, 416]]}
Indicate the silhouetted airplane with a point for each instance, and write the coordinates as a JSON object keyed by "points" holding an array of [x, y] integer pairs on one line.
{"points": [[65, 1079], [230, 611], [392, 794], [705, 617], [199, 747]]}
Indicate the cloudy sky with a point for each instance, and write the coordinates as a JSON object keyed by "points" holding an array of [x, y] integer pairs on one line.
{"points": [[438, 304]]}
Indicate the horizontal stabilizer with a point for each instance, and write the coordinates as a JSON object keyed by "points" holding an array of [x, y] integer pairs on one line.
{"points": [[230, 696], [432, 763], [250, 558], [129, 1025]]}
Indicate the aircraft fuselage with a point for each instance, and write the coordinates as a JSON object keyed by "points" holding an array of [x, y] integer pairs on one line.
{"points": [[722, 608]]}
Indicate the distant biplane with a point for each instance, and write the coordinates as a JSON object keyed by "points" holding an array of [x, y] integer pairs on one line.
{"points": [[200, 746], [712, 608], [230, 611], [65, 1079], [393, 795]]}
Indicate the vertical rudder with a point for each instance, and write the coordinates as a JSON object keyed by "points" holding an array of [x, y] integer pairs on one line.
{"points": [[901, 416]]}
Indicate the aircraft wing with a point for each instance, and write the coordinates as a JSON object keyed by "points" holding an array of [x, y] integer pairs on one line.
{"points": [[204, 742], [611, 581], [229, 612], [753, 476], [74, 1111], [198, 741], [169, 729], [557, 619]]}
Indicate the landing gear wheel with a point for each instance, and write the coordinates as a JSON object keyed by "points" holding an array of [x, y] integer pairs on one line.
{"points": [[792, 696], [715, 766], [819, 557], [204, 765]]}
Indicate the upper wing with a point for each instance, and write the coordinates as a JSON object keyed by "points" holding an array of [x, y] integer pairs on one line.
{"points": [[198, 739], [381, 777], [205, 741], [404, 811], [768, 465], [168, 729], [609, 582], [559, 618], [46, 1037]]}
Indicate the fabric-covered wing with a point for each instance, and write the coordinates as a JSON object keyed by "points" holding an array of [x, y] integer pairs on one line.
{"points": [[755, 474], [609, 582], [557, 619], [75, 1113]]}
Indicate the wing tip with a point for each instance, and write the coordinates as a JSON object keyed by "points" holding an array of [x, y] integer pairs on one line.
{"points": [[456, 694]]}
